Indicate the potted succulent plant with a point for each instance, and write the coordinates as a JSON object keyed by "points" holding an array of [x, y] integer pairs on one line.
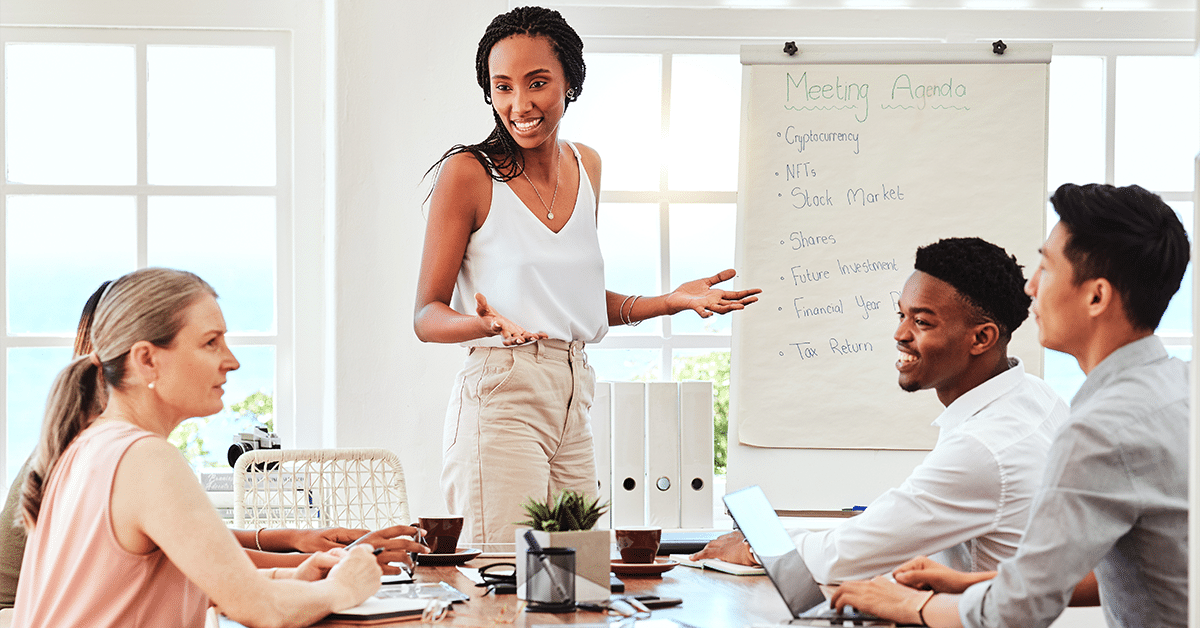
{"points": [[566, 520]]}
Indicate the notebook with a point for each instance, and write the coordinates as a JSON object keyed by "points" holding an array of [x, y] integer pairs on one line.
{"points": [[777, 552], [717, 564], [376, 609]]}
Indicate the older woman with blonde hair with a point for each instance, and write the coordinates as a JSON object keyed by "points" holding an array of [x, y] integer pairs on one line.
{"points": [[120, 531]]}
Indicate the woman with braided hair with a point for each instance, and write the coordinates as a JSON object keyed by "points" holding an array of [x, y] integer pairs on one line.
{"points": [[516, 275]]}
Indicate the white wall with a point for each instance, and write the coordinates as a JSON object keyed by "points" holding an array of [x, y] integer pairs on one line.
{"points": [[406, 92]]}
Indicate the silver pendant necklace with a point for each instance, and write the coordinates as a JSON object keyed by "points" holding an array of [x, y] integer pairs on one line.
{"points": [[554, 197]]}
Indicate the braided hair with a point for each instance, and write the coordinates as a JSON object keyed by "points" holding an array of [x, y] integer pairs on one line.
{"points": [[499, 154]]}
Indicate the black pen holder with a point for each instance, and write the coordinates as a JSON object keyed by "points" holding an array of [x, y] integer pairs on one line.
{"points": [[550, 585]]}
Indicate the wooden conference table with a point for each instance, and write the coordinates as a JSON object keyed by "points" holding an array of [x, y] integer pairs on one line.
{"points": [[709, 599]]}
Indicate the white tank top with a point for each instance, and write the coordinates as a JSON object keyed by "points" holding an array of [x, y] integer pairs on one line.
{"points": [[543, 281]]}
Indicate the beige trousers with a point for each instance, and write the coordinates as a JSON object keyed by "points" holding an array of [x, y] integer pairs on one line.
{"points": [[517, 428]]}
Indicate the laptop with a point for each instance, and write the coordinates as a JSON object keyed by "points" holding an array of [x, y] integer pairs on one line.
{"points": [[777, 552]]}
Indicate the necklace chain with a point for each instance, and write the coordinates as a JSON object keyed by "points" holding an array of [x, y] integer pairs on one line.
{"points": [[554, 197]]}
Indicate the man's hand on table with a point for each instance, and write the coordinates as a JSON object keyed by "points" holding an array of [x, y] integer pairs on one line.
{"points": [[731, 548]]}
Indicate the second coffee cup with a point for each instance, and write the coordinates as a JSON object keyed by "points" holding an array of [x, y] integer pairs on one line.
{"points": [[441, 533], [639, 544]]}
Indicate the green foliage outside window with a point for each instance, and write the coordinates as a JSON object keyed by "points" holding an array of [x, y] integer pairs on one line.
{"points": [[259, 407], [715, 367], [187, 438]]}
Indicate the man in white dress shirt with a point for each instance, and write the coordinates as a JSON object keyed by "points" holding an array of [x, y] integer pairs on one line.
{"points": [[969, 500]]}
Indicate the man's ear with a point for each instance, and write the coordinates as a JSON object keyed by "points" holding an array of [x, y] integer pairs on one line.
{"points": [[1100, 296], [986, 336]]}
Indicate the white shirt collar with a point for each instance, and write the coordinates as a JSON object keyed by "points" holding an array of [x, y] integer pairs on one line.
{"points": [[976, 399]]}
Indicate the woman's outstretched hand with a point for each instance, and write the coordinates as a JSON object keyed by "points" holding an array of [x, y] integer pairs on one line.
{"points": [[700, 296], [497, 325]]}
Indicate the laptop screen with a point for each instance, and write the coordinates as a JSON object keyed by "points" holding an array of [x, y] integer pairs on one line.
{"points": [[776, 551]]}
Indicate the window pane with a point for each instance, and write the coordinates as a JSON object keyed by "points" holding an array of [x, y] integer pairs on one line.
{"points": [[1178, 317], [706, 101], [70, 114], [702, 238], [1158, 131], [629, 241], [58, 250], [230, 242], [1062, 373], [30, 374], [619, 113], [1076, 145], [251, 389], [210, 115], [624, 365]]}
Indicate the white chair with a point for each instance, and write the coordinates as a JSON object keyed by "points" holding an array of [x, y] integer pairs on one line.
{"points": [[319, 488]]}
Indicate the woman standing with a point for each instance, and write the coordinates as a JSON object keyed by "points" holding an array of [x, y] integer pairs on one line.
{"points": [[516, 275], [120, 531]]}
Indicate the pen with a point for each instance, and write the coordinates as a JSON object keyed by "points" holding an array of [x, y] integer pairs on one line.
{"points": [[358, 540]]}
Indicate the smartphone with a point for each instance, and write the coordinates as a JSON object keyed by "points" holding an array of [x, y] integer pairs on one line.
{"points": [[653, 601]]}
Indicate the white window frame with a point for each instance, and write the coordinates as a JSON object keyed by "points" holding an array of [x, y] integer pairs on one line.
{"points": [[281, 339]]}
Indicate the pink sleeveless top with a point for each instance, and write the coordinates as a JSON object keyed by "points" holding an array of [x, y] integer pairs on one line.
{"points": [[75, 573]]}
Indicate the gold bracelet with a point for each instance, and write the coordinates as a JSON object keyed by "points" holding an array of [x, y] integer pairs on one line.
{"points": [[921, 608], [256, 543]]}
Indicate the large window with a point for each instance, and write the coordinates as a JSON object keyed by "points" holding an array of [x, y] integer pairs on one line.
{"points": [[130, 148], [668, 196], [1125, 119], [666, 126]]}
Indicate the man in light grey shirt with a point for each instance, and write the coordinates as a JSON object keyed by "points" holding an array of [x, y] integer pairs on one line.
{"points": [[1114, 497]]}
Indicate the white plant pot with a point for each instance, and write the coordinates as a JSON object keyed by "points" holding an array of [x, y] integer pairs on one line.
{"points": [[592, 552]]}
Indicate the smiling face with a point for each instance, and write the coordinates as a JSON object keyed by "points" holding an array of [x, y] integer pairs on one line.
{"points": [[191, 372], [1060, 305], [934, 338], [528, 89]]}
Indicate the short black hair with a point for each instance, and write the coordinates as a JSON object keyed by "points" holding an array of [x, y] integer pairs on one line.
{"points": [[988, 279], [1128, 236]]}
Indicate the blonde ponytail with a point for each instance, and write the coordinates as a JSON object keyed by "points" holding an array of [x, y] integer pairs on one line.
{"points": [[147, 304]]}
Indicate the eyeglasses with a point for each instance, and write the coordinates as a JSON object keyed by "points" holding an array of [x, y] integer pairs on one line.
{"points": [[435, 611], [498, 578]]}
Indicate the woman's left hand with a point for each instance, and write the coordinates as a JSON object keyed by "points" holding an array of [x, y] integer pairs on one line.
{"points": [[884, 597], [700, 296]]}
